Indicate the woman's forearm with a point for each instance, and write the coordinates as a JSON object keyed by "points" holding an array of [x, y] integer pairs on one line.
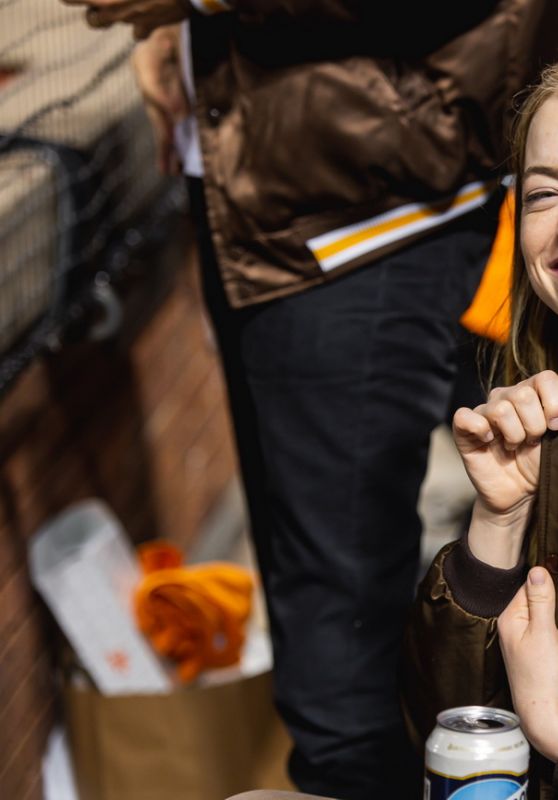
{"points": [[497, 539]]}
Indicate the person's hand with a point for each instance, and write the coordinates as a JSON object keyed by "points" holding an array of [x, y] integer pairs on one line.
{"points": [[499, 443], [143, 15], [156, 64], [529, 643]]}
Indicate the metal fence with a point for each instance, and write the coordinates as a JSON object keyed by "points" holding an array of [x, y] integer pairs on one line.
{"points": [[79, 188]]}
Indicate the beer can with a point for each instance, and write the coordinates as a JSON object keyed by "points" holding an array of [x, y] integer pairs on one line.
{"points": [[476, 753]]}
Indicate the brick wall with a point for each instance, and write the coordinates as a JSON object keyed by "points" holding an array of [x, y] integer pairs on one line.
{"points": [[139, 422]]}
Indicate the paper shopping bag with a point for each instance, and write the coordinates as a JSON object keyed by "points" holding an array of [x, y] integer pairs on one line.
{"points": [[195, 743]]}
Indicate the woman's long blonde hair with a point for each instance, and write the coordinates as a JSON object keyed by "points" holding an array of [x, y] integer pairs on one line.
{"points": [[533, 341]]}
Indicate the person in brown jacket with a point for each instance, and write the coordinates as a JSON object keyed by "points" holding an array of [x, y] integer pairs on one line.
{"points": [[453, 653], [343, 160]]}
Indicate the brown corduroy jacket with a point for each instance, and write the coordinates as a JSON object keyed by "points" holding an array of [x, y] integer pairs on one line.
{"points": [[452, 656], [334, 131]]}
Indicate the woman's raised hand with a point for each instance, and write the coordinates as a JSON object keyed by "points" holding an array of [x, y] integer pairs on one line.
{"points": [[499, 443]]}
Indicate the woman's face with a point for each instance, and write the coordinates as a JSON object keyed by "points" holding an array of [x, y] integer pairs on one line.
{"points": [[539, 213]]}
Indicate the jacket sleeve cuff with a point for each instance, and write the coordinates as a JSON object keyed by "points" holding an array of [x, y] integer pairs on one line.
{"points": [[477, 587], [210, 7]]}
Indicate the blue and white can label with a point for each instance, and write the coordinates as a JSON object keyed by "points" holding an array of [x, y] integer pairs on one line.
{"points": [[484, 786], [476, 753]]}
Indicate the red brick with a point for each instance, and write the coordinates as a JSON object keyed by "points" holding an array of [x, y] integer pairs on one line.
{"points": [[140, 423]]}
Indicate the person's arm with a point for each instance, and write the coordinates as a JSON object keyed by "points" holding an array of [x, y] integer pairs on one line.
{"points": [[143, 15], [156, 64], [450, 656], [382, 20], [529, 643]]}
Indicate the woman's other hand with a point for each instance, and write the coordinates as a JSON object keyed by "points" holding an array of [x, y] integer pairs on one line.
{"points": [[529, 643]]}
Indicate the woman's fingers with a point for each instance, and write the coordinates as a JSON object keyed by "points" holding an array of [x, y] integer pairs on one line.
{"points": [[546, 385], [516, 420], [514, 620], [471, 428], [522, 413], [531, 612], [532, 609], [541, 597]]}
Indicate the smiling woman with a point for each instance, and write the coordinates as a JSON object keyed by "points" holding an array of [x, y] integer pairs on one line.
{"points": [[475, 580]]}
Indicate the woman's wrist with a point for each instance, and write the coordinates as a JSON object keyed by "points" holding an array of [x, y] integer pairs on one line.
{"points": [[540, 726], [497, 538]]}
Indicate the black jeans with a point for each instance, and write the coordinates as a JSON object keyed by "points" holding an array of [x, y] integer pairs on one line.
{"points": [[334, 393]]}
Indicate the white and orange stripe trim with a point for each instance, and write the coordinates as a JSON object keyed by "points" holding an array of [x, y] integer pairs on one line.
{"points": [[338, 247], [211, 6]]}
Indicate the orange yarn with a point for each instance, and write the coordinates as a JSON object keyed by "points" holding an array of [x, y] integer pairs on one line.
{"points": [[489, 313], [194, 615]]}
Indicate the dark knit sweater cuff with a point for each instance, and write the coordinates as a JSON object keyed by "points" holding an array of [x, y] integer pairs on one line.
{"points": [[477, 587]]}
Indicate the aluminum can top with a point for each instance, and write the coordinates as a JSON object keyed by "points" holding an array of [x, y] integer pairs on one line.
{"points": [[478, 720]]}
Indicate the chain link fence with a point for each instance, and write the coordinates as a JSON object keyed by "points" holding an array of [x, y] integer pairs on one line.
{"points": [[79, 189]]}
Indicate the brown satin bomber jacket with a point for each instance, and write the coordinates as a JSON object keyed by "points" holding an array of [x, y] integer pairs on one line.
{"points": [[452, 656], [334, 131]]}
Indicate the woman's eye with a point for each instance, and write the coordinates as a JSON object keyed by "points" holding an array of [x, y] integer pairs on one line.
{"points": [[538, 196]]}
